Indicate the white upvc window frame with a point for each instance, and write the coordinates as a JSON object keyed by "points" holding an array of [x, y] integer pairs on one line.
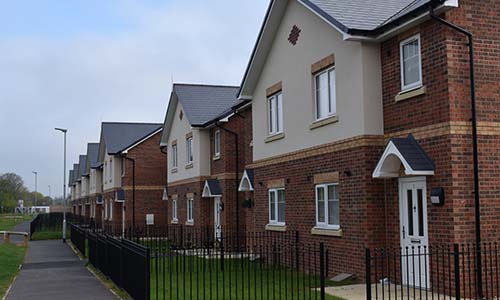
{"points": [[189, 150], [190, 210], [105, 209], [217, 143], [110, 170], [175, 156], [407, 87], [110, 217], [275, 113], [174, 210], [325, 224], [332, 95], [276, 221], [123, 166]]}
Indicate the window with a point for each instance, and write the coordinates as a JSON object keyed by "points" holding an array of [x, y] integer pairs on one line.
{"points": [[174, 209], [190, 216], [189, 150], [277, 206], [174, 156], [327, 206], [105, 172], [326, 99], [217, 143], [110, 169], [275, 106], [411, 63], [111, 209]]}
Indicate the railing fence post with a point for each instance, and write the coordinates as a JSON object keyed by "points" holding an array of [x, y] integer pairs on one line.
{"points": [[368, 265], [322, 270], [297, 250], [456, 257]]}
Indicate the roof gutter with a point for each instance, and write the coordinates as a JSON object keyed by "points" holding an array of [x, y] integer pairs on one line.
{"points": [[475, 155]]}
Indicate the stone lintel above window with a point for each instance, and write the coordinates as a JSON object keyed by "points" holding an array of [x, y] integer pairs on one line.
{"points": [[277, 87], [323, 64], [332, 177], [189, 135], [276, 183]]}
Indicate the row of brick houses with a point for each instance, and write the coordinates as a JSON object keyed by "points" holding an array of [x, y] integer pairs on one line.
{"points": [[349, 119], [102, 184]]}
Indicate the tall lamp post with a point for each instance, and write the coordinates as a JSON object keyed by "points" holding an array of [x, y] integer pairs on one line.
{"points": [[36, 179], [64, 131], [50, 194]]}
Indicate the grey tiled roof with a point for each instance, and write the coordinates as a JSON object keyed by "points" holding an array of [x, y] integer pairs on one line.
{"points": [[204, 103], [82, 165], [119, 136], [92, 155], [414, 154], [214, 186], [76, 171], [70, 181], [363, 14]]}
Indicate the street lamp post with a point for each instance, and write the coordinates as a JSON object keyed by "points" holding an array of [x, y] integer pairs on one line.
{"points": [[64, 131], [49, 192], [36, 179]]}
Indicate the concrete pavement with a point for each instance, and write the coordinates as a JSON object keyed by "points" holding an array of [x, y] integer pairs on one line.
{"points": [[51, 270]]}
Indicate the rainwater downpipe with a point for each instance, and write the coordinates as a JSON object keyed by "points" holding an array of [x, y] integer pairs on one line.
{"points": [[477, 203]]}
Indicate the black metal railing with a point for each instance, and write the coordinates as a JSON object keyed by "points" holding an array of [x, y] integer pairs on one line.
{"points": [[125, 262], [199, 263], [50, 222], [432, 272]]}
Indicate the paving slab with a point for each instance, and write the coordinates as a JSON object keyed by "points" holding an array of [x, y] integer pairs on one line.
{"points": [[51, 270]]}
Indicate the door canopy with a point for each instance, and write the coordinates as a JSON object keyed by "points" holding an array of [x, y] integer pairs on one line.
{"points": [[246, 183], [212, 189], [404, 157]]}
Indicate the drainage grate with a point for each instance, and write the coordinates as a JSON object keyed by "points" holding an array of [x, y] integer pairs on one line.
{"points": [[54, 265]]}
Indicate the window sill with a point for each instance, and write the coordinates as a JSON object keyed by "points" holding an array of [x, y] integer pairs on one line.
{"points": [[275, 137], [189, 223], [189, 166], [275, 227], [174, 170], [324, 122], [403, 95], [216, 157], [326, 231], [174, 222]]}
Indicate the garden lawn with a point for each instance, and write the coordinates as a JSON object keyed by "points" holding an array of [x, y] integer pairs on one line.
{"points": [[11, 256], [242, 279], [8, 221]]}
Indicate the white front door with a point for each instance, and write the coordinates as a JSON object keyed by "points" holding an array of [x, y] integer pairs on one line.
{"points": [[414, 236], [217, 211]]}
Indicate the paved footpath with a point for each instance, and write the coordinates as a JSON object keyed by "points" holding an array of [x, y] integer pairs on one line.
{"points": [[51, 270], [21, 227]]}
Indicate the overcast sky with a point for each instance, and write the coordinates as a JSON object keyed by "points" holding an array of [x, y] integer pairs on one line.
{"points": [[76, 63]]}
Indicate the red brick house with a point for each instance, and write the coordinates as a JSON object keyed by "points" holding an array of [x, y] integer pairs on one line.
{"points": [[206, 143], [127, 151], [360, 113]]}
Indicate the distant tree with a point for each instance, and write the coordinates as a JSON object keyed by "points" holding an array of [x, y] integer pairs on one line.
{"points": [[13, 184]]}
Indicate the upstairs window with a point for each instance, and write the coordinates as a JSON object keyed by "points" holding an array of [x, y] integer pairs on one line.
{"points": [[275, 107], [217, 143], [110, 170], [174, 156], [325, 91], [411, 63], [189, 150]]}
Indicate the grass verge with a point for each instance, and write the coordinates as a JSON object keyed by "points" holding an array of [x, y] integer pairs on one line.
{"points": [[109, 283], [48, 235], [8, 221], [11, 257]]}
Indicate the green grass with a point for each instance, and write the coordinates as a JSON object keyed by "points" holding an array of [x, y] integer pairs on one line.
{"points": [[241, 279], [11, 256], [48, 235], [8, 221], [109, 283]]}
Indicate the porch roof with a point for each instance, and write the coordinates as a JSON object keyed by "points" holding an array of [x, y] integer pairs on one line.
{"points": [[246, 183], [404, 153], [212, 189]]}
